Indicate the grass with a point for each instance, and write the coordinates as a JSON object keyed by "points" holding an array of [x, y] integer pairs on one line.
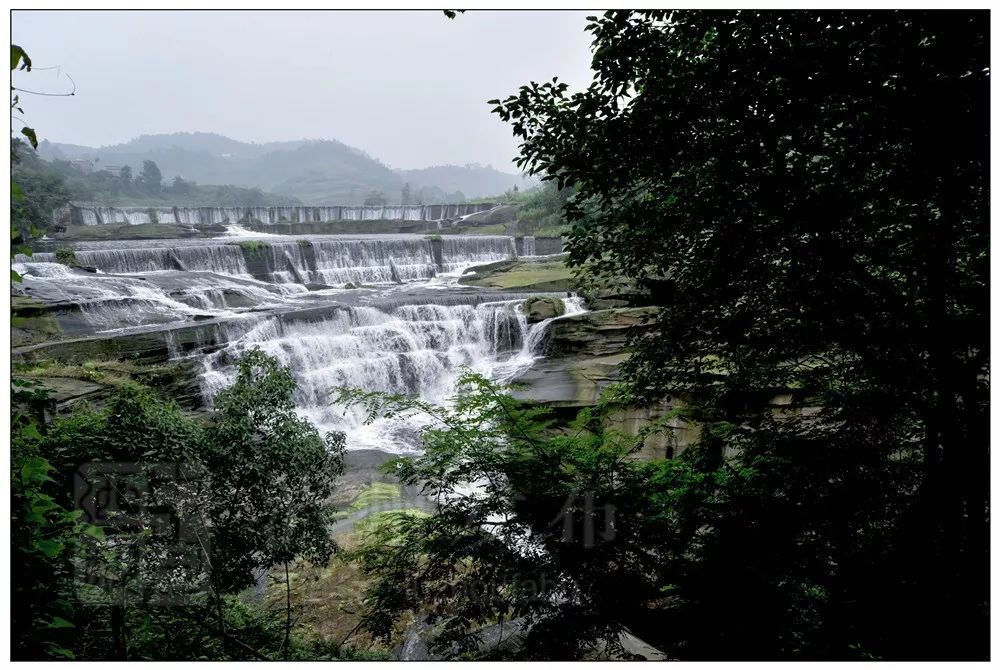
{"points": [[329, 599], [380, 520], [111, 373], [492, 229], [558, 230], [379, 226], [145, 231], [377, 492], [30, 322], [548, 275], [253, 245]]}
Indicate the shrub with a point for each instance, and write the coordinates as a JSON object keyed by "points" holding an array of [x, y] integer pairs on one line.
{"points": [[254, 247], [66, 256]]}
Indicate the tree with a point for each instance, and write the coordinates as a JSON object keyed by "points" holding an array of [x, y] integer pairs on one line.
{"points": [[564, 536], [19, 60], [272, 477], [45, 535], [405, 197], [375, 199], [805, 195], [181, 186], [41, 192], [150, 179], [246, 494], [125, 179]]}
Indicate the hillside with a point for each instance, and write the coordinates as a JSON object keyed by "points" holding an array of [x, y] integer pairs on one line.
{"points": [[312, 171], [473, 180]]}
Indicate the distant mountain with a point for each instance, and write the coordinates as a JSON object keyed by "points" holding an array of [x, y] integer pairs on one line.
{"points": [[314, 171]]}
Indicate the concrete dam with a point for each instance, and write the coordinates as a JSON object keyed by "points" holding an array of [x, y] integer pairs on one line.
{"points": [[81, 214]]}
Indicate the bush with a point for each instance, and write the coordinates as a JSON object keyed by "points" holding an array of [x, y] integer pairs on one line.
{"points": [[254, 248], [257, 474], [66, 256]]}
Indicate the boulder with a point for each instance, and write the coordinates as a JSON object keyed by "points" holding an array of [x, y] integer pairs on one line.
{"points": [[542, 308]]}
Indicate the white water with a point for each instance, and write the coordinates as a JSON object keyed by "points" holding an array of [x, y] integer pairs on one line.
{"points": [[111, 303], [239, 231], [410, 349], [94, 215], [529, 245], [330, 260]]}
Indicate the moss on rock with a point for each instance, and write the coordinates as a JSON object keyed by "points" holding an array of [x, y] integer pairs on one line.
{"points": [[542, 308]]}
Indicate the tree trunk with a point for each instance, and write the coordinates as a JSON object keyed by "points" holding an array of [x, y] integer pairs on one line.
{"points": [[288, 612]]}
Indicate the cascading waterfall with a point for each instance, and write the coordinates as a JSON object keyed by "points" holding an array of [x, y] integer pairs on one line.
{"points": [[415, 349], [219, 258], [215, 300], [114, 302], [317, 260], [339, 262]]}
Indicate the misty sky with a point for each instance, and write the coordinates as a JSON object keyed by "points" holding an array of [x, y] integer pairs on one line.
{"points": [[408, 87]]}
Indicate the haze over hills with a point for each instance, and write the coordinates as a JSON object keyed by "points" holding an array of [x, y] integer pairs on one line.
{"points": [[313, 171]]}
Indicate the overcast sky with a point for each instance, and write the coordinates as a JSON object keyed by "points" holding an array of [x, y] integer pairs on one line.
{"points": [[408, 87]]}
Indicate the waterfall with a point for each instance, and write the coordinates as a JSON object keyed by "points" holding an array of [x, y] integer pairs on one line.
{"points": [[528, 245], [95, 215], [219, 258], [415, 349], [460, 252], [227, 296], [110, 302], [318, 260], [336, 262], [371, 261]]}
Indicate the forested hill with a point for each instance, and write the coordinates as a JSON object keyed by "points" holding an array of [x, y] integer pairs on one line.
{"points": [[311, 171]]}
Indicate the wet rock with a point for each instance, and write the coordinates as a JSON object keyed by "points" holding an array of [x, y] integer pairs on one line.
{"points": [[542, 308]]}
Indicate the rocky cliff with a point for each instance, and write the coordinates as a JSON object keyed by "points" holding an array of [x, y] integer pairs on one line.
{"points": [[583, 357]]}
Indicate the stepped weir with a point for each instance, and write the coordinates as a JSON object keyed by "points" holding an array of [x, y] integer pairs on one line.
{"points": [[84, 214], [379, 312]]}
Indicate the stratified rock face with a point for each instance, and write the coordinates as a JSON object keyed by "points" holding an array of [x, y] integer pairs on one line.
{"points": [[542, 308], [584, 353]]}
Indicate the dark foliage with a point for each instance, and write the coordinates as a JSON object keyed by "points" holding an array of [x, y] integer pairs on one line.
{"points": [[806, 196]]}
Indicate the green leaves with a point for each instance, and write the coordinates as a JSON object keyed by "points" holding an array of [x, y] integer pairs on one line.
{"points": [[775, 183], [19, 58], [59, 622], [278, 473], [50, 548], [532, 525], [30, 134]]}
